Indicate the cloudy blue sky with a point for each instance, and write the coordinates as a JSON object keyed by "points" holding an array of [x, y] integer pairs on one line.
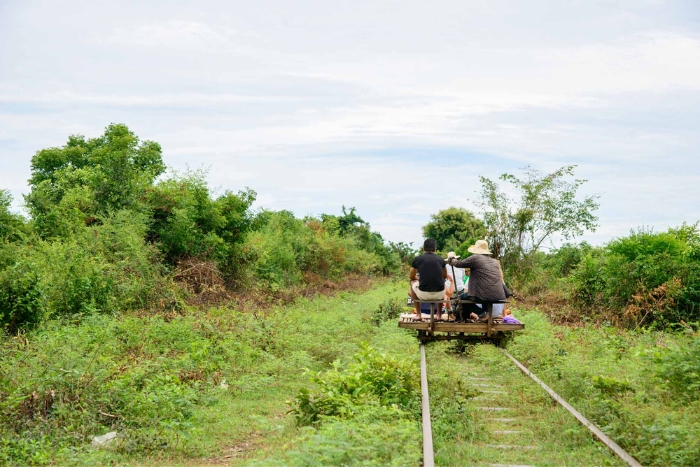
{"points": [[393, 107]]}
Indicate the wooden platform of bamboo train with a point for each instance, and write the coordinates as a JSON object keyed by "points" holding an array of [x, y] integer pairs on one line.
{"points": [[430, 329]]}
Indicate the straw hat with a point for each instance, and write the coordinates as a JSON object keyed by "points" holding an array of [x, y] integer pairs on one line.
{"points": [[480, 248], [452, 254]]}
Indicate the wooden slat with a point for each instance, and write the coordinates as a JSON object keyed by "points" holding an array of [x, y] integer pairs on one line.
{"points": [[459, 327], [489, 310]]}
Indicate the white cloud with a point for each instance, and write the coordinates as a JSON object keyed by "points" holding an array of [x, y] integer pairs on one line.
{"points": [[321, 104]]}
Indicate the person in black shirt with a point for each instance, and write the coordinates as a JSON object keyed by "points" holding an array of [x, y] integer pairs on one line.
{"points": [[428, 276]]}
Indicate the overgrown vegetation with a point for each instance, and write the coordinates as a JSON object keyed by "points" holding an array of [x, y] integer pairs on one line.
{"points": [[101, 294], [640, 387], [111, 230], [193, 383], [647, 278]]}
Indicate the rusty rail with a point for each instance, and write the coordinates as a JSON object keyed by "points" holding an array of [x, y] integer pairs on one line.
{"points": [[428, 459], [605, 439]]}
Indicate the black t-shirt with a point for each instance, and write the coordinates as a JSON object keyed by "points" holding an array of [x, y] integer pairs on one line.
{"points": [[430, 267]]}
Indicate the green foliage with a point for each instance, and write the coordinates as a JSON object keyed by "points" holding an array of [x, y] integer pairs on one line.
{"points": [[373, 378], [453, 228], [285, 249], [389, 310], [644, 277], [21, 297], [85, 180], [12, 225], [640, 388], [679, 369], [188, 222], [610, 385], [180, 385], [130, 376], [545, 205], [376, 436], [104, 268], [353, 227], [563, 260], [405, 251]]}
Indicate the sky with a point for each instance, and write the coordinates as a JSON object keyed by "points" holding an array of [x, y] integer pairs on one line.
{"points": [[395, 108]]}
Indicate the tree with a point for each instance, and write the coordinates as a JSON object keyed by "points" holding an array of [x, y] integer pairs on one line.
{"points": [[88, 179], [452, 227], [186, 222], [351, 225], [11, 224], [544, 205]]}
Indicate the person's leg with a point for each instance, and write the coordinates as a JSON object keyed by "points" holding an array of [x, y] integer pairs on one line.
{"points": [[448, 295], [416, 305], [472, 310]]}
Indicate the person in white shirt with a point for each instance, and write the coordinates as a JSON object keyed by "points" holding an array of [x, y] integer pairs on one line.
{"points": [[458, 278], [455, 279]]}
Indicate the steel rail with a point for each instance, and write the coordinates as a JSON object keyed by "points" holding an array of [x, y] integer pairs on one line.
{"points": [[428, 459], [605, 439]]}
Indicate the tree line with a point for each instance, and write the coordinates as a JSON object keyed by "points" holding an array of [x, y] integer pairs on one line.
{"points": [[111, 229], [645, 278]]}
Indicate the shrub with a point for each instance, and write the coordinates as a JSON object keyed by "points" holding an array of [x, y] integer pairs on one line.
{"points": [[373, 378], [388, 311], [652, 277], [104, 268], [679, 370], [21, 297], [187, 222], [12, 225], [284, 248], [87, 179]]}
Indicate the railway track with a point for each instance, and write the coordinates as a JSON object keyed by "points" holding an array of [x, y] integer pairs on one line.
{"points": [[504, 416]]}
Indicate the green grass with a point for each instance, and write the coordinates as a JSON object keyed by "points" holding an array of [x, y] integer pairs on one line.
{"points": [[160, 381], [547, 434], [214, 388], [640, 388]]}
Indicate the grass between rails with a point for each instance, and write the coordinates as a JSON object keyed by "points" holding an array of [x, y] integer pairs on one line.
{"points": [[512, 420]]}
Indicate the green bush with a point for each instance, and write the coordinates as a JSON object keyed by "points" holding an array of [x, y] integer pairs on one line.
{"points": [[373, 378], [187, 222], [285, 248], [679, 370], [21, 298], [12, 226], [100, 269], [352, 226], [86, 179], [388, 311], [644, 277]]}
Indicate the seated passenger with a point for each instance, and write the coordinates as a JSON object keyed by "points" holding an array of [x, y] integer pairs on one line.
{"points": [[453, 281], [459, 273], [427, 277], [485, 279]]}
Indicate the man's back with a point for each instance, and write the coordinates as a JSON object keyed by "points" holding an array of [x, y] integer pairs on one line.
{"points": [[485, 281], [430, 267]]}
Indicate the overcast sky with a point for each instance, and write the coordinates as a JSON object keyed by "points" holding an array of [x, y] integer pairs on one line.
{"points": [[392, 107]]}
